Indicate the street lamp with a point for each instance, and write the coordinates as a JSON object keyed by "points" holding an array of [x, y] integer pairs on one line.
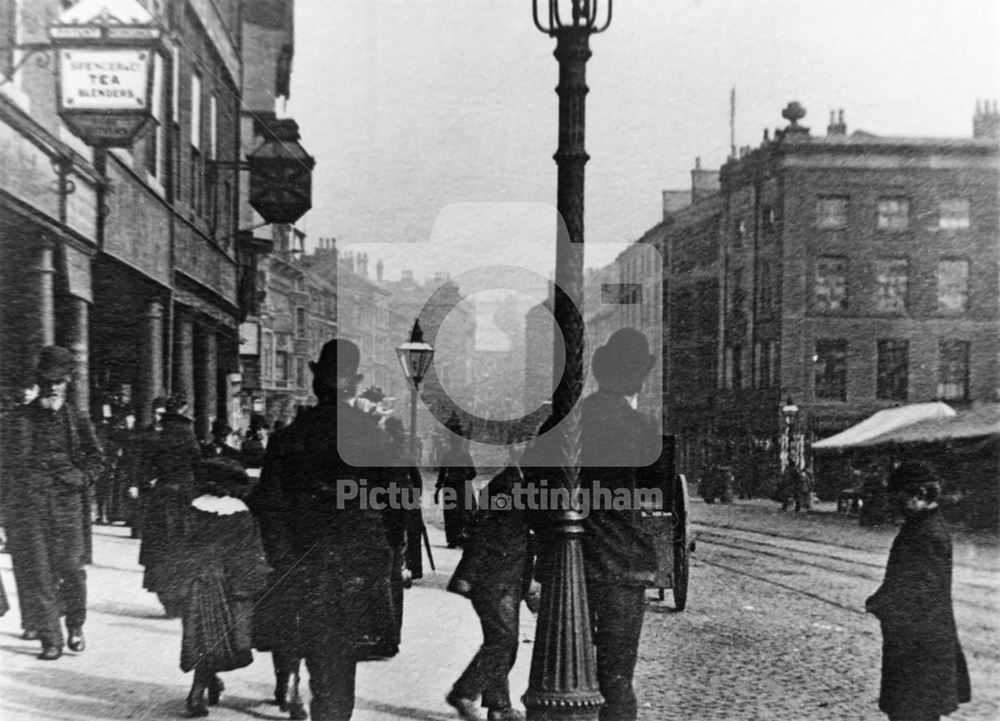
{"points": [[415, 358], [563, 679], [790, 413]]}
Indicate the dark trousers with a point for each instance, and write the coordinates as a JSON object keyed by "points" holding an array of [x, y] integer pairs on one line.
{"points": [[20, 560], [414, 538], [332, 670], [616, 614], [456, 514], [487, 674], [52, 572]]}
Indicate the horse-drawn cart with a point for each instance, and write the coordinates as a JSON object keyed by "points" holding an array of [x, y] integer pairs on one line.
{"points": [[669, 525]]}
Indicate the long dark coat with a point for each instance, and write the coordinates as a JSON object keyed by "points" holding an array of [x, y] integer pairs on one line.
{"points": [[616, 444], [339, 548], [169, 461], [220, 571], [923, 667]]}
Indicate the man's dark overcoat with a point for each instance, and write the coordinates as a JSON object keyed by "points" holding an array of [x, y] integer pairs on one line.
{"points": [[169, 461], [616, 444], [923, 668], [339, 549], [50, 458], [457, 469]]}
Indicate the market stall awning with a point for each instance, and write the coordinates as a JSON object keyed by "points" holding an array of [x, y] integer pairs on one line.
{"points": [[981, 422], [883, 422]]}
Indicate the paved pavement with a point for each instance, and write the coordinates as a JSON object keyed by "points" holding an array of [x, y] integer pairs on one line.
{"points": [[748, 646]]}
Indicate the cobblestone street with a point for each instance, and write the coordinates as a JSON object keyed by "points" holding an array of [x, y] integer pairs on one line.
{"points": [[774, 629]]}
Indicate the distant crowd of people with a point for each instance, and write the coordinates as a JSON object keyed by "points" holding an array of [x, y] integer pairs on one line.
{"points": [[290, 565]]}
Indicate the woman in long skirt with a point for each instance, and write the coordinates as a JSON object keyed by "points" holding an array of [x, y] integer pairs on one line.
{"points": [[221, 571]]}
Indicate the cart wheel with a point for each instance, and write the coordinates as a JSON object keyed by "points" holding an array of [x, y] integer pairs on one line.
{"points": [[680, 575]]}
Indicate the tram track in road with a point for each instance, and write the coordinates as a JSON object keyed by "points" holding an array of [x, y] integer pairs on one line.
{"points": [[856, 569]]}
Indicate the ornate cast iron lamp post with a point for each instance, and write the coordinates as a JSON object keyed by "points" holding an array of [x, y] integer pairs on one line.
{"points": [[415, 358], [563, 680]]}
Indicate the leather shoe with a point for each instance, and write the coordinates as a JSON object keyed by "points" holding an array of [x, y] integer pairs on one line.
{"points": [[466, 707], [215, 689], [504, 714], [196, 702], [50, 653], [76, 641]]}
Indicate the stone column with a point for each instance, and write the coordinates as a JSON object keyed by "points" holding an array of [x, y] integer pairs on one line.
{"points": [[151, 369], [81, 349], [205, 380], [46, 270], [184, 357]]}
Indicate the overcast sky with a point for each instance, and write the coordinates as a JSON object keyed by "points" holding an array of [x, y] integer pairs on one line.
{"points": [[410, 106]]}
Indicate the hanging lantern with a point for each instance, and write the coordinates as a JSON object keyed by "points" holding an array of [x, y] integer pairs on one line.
{"points": [[281, 174]]}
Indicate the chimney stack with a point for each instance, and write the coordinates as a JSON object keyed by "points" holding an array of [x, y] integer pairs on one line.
{"points": [[986, 121], [837, 126], [406, 275], [379, 270], [703, 182]]}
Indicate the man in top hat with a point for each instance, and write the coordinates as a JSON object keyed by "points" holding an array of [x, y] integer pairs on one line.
{"points": [[617, 444], [335, 550], [53, 455]]}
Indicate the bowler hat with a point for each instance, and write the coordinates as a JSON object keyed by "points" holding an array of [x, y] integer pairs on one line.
{"points": [[338, 360], [624, 360], [55, 363]]}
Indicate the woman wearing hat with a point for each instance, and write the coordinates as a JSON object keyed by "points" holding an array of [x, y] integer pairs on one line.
{"points": [[170, 461], [924, 674]]}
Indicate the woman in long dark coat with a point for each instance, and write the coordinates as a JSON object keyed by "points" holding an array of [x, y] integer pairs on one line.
{"points": [[924, 674], [220, 571], [169, 462]]}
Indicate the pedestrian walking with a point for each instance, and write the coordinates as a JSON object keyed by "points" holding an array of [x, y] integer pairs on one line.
{"points": [[127, 440], [408, 477], [24, 394], [924, 674], [51, 457], [220, 570], [454, 479], [312, 498], [170, 460], [619, 553], [252, 450], [218, 444], [493, 573]]}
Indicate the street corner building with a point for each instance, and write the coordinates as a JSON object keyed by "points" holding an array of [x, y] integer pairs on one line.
{"points": [[141, 254]]}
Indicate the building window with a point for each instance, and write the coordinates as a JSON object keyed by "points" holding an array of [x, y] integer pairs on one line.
{"points": [[953, 214], [267, 356], [282, 368], [300, 372], [196, 111], [831, 284], [155, 135], [736, 291], [893, 214], [740, 232], [300, 322], [893, 370], [213, 128], [891, 281], [197, 160], [771, 356], [953, 286], [765, 287], [831, 370], [175, 84], [733, 369], [831, 212], [953, 370], [768, 219]]}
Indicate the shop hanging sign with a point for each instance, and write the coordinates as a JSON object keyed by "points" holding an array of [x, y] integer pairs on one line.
{"points": [[104, 95], [105, 64]]}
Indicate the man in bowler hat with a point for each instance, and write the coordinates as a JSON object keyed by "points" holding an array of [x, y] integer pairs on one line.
{"points": [[337, 550], [53, 456], [618, 444]]}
